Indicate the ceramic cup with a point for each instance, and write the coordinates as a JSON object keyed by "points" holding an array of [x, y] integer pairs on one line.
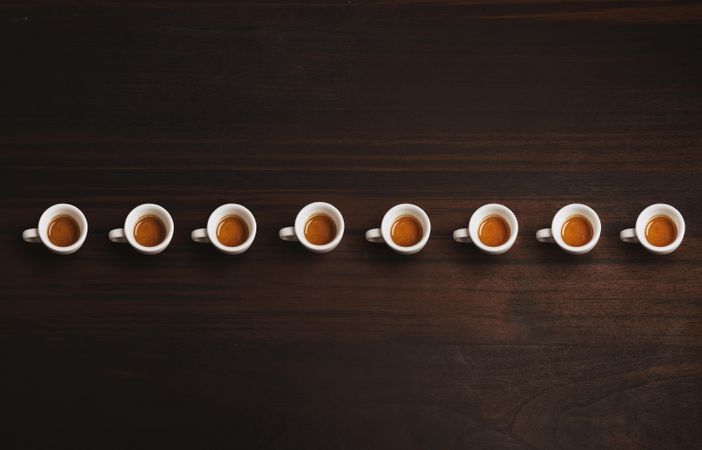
{"points": [[39, 235], [553, 234], [382, 234], [209, 235], [469, 235], [638, 234], [297, 231], [126, 235]]}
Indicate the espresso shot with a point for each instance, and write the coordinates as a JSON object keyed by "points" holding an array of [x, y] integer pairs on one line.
{"points": [[63, 231], [493, 231], [320, 229], [318, 226], [406, 231], [661, 231], [232, 231], [149, 231], [576, 231]]}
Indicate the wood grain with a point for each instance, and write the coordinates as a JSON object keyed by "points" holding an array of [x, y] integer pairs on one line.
{"points": [[449, 105]]}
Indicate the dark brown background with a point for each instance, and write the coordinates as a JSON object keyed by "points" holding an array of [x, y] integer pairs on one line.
{"points": [[446, 105]]}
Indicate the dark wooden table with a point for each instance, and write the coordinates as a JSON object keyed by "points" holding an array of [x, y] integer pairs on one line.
{"points": [[446, 105]]}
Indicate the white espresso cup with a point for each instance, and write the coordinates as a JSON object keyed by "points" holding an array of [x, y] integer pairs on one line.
{"points": [[40, 234], [297, 231], [209, 235], [470, 235], [383, 234], [126, 235], [638, 234], [553, 234]]}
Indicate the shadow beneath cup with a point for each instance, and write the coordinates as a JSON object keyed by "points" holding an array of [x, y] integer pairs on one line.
{"points": [[469, 253], [636, 253], [555, 255], [473, 255], [125, 258], [294, 250], [30, 259], [382, 252], [26, 252], [208, 260]]}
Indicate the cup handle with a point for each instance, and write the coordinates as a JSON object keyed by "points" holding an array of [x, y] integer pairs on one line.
{"points": [[200, 235], [117, 235], [374, 235], [628, 235], [545, 235], [461, 235], [31, 235], [287, 234]]}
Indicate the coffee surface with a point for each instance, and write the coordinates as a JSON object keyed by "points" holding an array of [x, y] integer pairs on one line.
{"points": [[232, 231], [576, 231], [406, 231], [149, 231], [63, 231], [661, 231], [320, 229], [493, 231]]}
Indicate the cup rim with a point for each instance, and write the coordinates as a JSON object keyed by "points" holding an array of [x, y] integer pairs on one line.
{"points": [[557, 224], [643, 218], [301, 219], [43, 230], [390, 216], [473, 230], [129, 233], [211, 228]]}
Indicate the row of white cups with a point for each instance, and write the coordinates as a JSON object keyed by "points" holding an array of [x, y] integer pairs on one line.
{"points": [[467, 234]]}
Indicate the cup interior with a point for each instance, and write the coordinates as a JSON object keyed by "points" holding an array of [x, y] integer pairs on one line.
{"points": [[314, 209], [63, 209], [660, 209], [489, 210], [576, 209], [231, 209], [148, 209], [401, 210]]}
